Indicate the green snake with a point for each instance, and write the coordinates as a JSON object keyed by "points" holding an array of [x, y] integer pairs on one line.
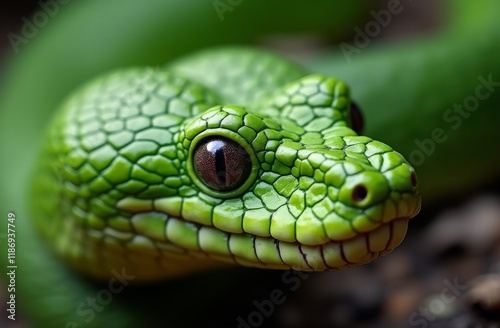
{"points": [[250, 165], [127, 178]]}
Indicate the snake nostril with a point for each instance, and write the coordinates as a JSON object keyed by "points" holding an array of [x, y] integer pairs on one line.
{"points": [[359, 193]]}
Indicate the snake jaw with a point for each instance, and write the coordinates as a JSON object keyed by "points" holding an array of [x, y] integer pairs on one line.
{"points": [[269, 253]]}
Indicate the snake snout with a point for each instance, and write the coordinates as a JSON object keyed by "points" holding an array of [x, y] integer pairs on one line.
{"points": [[364, 189]]}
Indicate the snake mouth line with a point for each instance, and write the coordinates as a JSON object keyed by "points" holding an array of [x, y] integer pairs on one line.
{"points": [[378, 242], [271, 253], [190, 242]]}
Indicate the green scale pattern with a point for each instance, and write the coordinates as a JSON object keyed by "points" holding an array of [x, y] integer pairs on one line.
{"points": [[117, 188]]}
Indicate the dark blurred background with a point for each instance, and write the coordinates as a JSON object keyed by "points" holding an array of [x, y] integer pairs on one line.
{"points": [[11, 14]]}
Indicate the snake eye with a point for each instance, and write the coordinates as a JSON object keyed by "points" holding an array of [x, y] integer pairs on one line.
{"points": [[221, 163], [356, 118]]}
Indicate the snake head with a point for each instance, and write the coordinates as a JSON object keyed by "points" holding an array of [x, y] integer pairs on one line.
{"points": [[288, 183], [147, 170]]}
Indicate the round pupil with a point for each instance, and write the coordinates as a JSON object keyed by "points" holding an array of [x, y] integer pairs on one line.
{"points": [[221, 163]]}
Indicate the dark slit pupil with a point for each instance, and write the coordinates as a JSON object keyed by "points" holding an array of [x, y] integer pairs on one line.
{"points": [[220, 165]]}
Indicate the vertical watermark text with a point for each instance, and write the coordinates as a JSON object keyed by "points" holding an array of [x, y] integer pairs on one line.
{"points": [[11, 265]]}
